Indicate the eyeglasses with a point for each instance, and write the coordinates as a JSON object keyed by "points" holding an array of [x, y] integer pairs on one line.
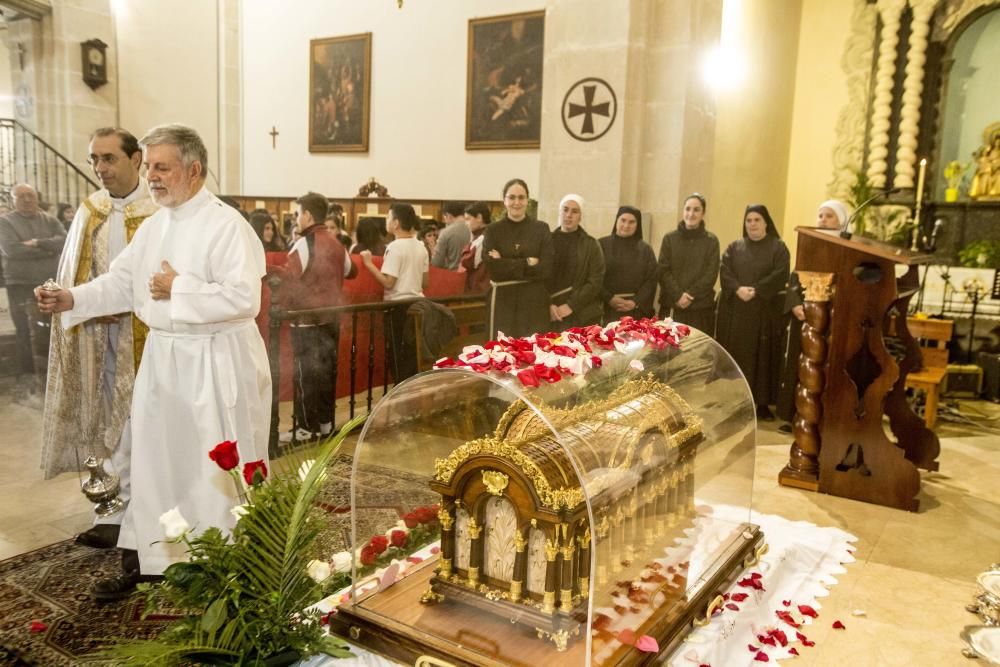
{"points": [[108, 159]]}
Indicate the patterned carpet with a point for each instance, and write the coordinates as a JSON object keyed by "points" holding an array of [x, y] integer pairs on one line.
{"points": [[47, 615]]}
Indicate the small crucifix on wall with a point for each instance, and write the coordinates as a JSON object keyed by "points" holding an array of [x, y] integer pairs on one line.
{"points": [[274, 137]]}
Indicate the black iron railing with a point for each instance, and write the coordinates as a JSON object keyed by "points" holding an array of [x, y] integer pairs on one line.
{"points": [[27, 158], [377, 316]]}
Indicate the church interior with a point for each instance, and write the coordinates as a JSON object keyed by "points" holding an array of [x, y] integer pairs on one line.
{"points": [[532, 478]]}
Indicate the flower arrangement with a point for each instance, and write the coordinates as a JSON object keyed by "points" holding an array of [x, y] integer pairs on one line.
{"points": [[954, 172], [549, 357], [245, 597]]}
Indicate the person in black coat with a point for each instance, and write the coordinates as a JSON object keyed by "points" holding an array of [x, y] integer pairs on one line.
{"points": [[578, 271], [689, 265], [518, 255], [753, 276], [629, 269]]}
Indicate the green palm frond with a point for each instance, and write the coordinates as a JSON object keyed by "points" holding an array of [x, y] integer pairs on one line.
{"points": [[245, 597]]}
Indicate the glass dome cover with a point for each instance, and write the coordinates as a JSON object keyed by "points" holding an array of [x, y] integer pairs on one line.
{"points": [[585, 520]]}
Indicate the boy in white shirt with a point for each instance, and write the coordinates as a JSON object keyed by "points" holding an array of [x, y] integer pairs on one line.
{"points": [[404, 275]]}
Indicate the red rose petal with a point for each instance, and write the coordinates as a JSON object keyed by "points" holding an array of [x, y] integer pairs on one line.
{"points": [[806, 610], [38, 626], [756, 575], [435, 550], [779, 635], [793, 651], [738, 597], [730, 605], [787, 603], [752, 648], [761, 657], [805, 640], [704, 664], [787, 618], [837, 625]]}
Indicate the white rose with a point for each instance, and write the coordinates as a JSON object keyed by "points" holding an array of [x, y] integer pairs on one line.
{"points": [[174, 524], [342, 562], [239, 511], [319, 570]]}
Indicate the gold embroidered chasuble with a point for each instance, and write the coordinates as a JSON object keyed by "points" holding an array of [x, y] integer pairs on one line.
{"points": [[85, 413]]}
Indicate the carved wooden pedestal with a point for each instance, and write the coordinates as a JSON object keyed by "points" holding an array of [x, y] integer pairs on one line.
{"points": [[802, 470], [849, 380]]}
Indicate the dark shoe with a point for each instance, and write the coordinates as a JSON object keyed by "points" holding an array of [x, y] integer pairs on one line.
{"points": [[121, 585], [100, 536], [117, 587], [764, 414], [785, 428]]}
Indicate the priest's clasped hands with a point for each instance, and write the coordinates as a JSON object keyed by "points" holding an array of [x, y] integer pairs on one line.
{"points": [[161, 283]]}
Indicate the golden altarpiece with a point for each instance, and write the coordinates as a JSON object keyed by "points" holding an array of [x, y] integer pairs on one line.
{"points": [[574, 517]]}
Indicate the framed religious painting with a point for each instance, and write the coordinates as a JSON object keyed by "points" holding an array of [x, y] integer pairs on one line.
{"points": [[340, 93], [503, 106]]}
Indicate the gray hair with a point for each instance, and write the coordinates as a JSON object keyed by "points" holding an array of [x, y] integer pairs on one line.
{"points": [[186, 140]]}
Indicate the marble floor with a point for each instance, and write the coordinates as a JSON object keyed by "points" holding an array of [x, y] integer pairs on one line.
{"points": [[913, 576]]}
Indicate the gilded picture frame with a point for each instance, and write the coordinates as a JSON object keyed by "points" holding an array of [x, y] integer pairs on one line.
{"points": [[503, 106], [340, 93]]}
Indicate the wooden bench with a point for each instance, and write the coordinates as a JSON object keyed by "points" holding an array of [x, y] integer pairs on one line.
{"points": [[933, 337]]}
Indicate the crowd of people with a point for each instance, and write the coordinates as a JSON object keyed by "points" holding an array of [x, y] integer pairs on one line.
{"points": [[159, 282], [538, 279]]}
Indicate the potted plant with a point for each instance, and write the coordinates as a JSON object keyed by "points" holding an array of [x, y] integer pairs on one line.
{"points": [[246, 596]]}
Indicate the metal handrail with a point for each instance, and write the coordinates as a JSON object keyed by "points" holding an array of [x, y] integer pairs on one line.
{"points": [[26, 157], [278, 316]]}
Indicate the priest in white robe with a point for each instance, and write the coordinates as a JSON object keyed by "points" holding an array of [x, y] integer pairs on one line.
{"points": [[193, 274], [92, 367]]}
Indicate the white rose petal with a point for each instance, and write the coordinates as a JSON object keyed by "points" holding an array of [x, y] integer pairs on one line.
{"points": [[174, 524], [342, 562], [319, 570], [636, 365], [239, 511]]}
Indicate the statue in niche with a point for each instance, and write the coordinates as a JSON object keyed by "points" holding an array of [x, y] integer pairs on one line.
{"points": [[986, 182]]}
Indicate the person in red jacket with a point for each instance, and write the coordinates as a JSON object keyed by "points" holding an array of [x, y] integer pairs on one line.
{"points": [[314, 278]]}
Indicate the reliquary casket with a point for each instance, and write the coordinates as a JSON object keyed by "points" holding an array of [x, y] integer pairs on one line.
{"points": [[567, 514]]}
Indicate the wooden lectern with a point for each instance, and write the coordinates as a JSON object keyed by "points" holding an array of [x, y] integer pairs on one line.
{"points": [[849, 379]]}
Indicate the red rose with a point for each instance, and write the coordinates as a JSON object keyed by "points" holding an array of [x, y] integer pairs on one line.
{"points": [[425, 514], [411, 520], [398, 539], [225, 455], [250, 472], [379, 543], [367, 555]]}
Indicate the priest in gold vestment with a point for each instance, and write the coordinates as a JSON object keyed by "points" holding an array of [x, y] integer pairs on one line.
{"points": [[92, 367]]}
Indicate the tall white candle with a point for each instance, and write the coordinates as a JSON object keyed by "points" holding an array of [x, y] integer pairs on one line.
{"points": [[920, 182]]}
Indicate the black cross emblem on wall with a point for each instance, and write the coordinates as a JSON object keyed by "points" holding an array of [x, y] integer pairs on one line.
{"points": [[598, 117], [590, 109]]}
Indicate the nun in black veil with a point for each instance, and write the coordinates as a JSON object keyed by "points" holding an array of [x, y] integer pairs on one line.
{"points": [[752, 279], [629, 268]]}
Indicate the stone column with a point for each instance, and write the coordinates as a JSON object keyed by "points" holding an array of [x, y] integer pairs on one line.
{"points": [[802, 470], [913, 88], [661, 143], [878, 146]]}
